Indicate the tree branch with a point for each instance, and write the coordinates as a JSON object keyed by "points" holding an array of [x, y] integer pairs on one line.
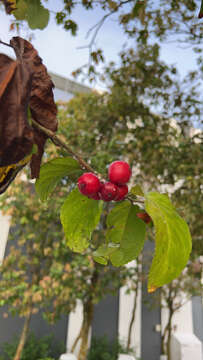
{"points": [[58, 142], [3, 43]]}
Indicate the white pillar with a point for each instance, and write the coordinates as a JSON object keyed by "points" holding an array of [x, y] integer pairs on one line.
{"points": [[125, 313], [4, 229], [185, 346], [74, 326], [182, 319]]}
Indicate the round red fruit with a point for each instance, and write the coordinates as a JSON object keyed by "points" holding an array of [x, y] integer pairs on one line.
{"points": [[119, 172], [121, 192], [95, 196], [145, 217], [108, 191], [88, 184]]}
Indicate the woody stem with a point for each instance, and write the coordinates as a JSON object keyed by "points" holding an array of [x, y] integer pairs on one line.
{"points": [[58, 142], [3, 43]]}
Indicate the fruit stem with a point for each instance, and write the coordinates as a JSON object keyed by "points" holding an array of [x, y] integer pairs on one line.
{"points": [[58, 142], [133, 200]]}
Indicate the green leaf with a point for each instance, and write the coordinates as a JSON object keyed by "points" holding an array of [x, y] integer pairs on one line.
{"points": [[136, 9], [37, 16], [52, 172], [173, 241], [127, 230], [21, 11], [137, 190], [101, 260], [79, 217], [101, 255]]}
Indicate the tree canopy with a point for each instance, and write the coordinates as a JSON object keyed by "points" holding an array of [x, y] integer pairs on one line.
{"points": [[144, 21]]}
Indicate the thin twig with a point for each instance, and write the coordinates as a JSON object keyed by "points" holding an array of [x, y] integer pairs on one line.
{"points": [[58, 142], [134, 200], [3, 43]]}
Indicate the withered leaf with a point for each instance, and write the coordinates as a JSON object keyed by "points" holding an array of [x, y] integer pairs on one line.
{"points": [[42, 105], [24, 84], [8, 173], [16, 135]]}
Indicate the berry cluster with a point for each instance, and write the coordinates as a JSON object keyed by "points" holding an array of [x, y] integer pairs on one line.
{"points": [[119, 173]]}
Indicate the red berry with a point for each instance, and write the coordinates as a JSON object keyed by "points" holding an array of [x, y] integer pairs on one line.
{"points": [[119, 172], [145, 217], [108, 191], [88, 184], [95, 196], [121, 193]]}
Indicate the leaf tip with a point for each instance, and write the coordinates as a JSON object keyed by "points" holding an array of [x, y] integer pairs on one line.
{"points": [[152, 289]]}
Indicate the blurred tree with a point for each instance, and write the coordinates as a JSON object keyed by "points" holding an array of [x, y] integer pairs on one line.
{"points": [[143, 21], [36, 242], [175, 295], [40, 272], [119, 124]]}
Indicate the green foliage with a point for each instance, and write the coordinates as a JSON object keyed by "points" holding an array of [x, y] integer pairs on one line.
{"points": [[52, 172], [137, 19], [173, 240], [20, 12], [44, 348], [79, 217], [33, 12], [137, 190], [126, 230], [37, 16], [103, 349]]}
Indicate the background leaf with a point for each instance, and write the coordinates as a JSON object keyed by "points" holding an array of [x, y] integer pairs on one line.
{"points": [[101, 255], [37, 16], [79, 217], [127, 230], [137, 190], [21, 11], [173, 241], [52, 172]]}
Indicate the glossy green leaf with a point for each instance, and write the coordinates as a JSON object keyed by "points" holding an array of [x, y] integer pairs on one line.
{"points": [[37, 16], [52, 172], [79, 217], [173, 240], [137, 190], [126, 230]]}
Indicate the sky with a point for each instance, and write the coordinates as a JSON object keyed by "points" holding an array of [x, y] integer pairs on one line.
{"points": [[60, 51]]}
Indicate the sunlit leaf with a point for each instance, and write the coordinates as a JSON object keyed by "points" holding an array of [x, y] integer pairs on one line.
{"points": [[173, 240], [52, 172], [79, 217], [126, 230], [137, 190]]}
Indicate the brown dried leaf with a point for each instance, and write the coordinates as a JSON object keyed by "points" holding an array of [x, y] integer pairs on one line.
{"points": [[23, 83], [42, 105], [16, 136]]}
